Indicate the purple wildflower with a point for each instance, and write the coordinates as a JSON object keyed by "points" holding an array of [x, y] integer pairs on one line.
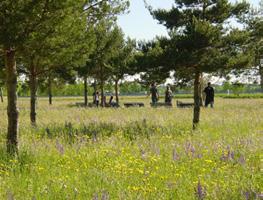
{"points": [[200, 191]]}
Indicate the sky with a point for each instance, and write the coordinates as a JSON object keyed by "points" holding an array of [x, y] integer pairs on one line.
{"points": [[139, 24]]}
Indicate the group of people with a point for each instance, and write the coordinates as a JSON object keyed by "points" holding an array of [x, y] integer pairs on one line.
{"points": [[209, 95], [96, 100], [155, 94]]}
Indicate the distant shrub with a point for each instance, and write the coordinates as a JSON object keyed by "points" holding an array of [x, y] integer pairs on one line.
{"points": [[242, 96]]}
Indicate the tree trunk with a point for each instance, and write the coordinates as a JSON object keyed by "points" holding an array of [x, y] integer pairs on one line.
{"points": [[197, 97], [1, 95], [102, 94], [33, 95], [12, 111], [50, 90], [261, 76], [117, 91], [201, 88], [85, 91], [95, 86]]}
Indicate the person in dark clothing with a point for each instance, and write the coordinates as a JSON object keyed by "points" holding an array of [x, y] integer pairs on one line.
{"points": [[209, 95], [168, 95], [154, 93], [96, 98]]}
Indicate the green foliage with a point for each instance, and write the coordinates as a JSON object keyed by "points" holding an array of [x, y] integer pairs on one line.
{"points": [[19, 19], [58, 44], [227, 85], [237, 88], [121, 62], [151, 61], [49, 35], [108, 41], [242, 96], [131, 88], [198, 40], [102, 18]]}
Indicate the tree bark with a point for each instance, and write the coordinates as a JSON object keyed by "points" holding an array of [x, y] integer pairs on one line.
{"points": [[1, 95], [85, 91], [33, 94], [197, 98], [117, 91], [261, 76], [95, 86], [50, 90], [201, 88], [12, 111]]}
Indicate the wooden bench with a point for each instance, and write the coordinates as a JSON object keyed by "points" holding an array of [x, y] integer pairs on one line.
{"points": [[133, 104], [161, 104], [113, 105], [181, 104]]}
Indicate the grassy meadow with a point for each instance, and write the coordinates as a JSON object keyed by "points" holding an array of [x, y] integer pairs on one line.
{"points": [[135, 153]]}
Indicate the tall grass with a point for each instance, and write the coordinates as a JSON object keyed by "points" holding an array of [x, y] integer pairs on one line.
{"points": [[136, 153]]}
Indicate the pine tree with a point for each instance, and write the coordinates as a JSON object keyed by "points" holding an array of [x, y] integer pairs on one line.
{"points": [[104, 15], [255, 29], [152, 62], [121, 62], [108, 40], [19, 20], [197, 35], [2, 77]]}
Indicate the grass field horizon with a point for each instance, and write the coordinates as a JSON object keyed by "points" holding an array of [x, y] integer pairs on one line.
{"points": [[134, 153]]}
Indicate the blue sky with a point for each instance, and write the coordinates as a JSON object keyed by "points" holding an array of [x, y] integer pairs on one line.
{"points": [[140, 25]]}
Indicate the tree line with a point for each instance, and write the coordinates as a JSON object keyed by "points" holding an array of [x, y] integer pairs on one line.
{"points": [[65, 40]]}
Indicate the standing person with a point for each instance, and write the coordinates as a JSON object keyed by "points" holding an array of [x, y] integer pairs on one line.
{"points": [[209, 95], [168, 95], [154, 93], [97, 98]]}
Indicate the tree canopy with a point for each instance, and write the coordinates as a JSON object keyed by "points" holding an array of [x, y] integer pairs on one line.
{"points": [[200, 41]]}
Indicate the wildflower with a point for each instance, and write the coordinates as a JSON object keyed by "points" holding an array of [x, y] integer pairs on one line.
{"points": [[200, 191], [134, 188], [40, 168]]}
